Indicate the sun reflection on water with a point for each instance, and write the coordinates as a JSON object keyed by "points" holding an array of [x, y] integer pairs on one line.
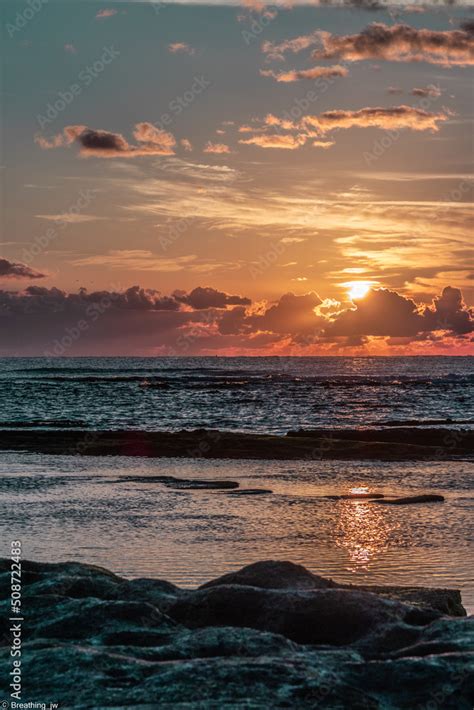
{"points": [[363, 531]]}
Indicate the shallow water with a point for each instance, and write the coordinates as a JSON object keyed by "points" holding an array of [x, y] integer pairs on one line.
{"points": [[81, 508]]}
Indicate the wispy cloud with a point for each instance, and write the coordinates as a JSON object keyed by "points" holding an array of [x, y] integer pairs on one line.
{"points": [[181, 48], [107, 12], [217, 148], [299, 74]]}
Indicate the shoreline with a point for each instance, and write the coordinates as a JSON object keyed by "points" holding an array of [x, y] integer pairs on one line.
{"points": [[398, 444]]}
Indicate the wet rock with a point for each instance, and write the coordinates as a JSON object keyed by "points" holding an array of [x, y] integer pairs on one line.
{"points": [[408, 500], [271, 574], [181, 483], [250, 492], [202, 485]]}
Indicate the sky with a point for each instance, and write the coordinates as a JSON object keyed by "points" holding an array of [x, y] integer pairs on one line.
{"points": [[285, 179]]}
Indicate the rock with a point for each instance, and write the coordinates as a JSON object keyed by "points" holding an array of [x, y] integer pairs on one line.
{"points": [[447, 601], [201, 485], [250, 492], [323, 616], [271, 635], [408, 500], [273, 574], [181, 483]]}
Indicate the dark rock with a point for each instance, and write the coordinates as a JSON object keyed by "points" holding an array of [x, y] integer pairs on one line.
{"points": [[271, 574], [250, 492], [204, 485], [272, 635], [408, 500], [181, 483], [323, 616]]}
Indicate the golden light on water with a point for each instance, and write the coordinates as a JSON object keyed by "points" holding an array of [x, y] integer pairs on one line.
{"points": [[362, 531]]}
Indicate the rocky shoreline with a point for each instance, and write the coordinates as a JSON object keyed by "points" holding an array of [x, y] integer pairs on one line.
{"points": [[272, 635], [398, 444]]}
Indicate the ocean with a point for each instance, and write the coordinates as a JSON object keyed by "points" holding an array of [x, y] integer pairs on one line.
{"points": [[269, 394], [84, 508]]}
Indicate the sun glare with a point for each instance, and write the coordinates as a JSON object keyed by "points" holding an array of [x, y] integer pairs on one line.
{"points": [[358, 289]]}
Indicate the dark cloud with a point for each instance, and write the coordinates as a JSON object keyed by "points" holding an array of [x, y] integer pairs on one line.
{"points": [[386, 313], [381, 312], [290, 315], [41, 320], [401, 43], [201, 298], [12, 270], [105, 144], [449, 312]]}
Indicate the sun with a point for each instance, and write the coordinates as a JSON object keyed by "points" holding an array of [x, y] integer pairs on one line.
{"points": [[358, 289]]}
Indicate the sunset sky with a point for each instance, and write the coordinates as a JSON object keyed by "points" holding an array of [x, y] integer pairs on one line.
{"points": [[273, 180]]}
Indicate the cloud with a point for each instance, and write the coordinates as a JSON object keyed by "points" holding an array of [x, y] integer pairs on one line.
{"points": [[395, 117], [180, 48], [217, 148], [430, 90], [449, 312], [293, 134], [277, 51], [13, 270], [286, 142], [69, 217], [396, 43], [108, 12], [299, 74], [186, 144], [387, 313], [104, 144], [381, 312], [143, 260], [139, 320], [290, 315], [399, 43], [394, 90], [201, 298]]}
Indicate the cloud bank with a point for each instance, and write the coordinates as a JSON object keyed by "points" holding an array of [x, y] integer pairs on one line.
{"points": [[38, 320]]}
